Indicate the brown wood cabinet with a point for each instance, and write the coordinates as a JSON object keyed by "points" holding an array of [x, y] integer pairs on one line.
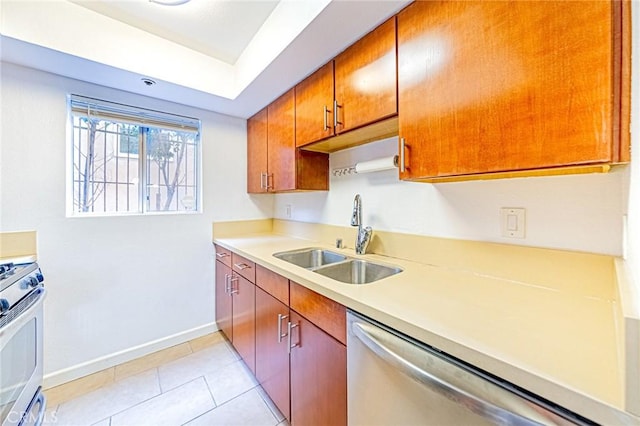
{"points": [[318, 376], [244, 319], [273, 162], [235, 302], [257, 160], [356, 89], [365, 79], [307, 380], [272, 352], [314, 106], [224, 302], [487, 87]]}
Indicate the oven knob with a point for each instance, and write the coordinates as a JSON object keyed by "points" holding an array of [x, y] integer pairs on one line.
{"points": [[4, 306], [39, 276], [32, 282]]}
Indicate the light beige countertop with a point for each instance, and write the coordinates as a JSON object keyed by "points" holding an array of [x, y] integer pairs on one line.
{"points": [[553, 342]]}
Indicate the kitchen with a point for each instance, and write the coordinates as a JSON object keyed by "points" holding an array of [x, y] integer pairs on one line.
{"points": [[108, 274]]}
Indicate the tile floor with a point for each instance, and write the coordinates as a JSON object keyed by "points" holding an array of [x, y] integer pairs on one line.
{"points": [[208, 386]]}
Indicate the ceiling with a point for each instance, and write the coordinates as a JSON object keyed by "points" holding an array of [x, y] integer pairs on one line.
{"points": [[228, 56], [218, 28]]}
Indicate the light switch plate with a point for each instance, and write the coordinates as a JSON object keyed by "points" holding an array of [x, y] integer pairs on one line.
{"points": [[513, 222]]}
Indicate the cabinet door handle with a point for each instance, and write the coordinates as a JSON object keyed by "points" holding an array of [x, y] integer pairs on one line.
{"points": [[280, 335], [221, 255], [242, 266], [226, 283], [335, 114], [269, 186], [326, 119], [263, 183], [290, 327], [402, 149], [233, 278]]}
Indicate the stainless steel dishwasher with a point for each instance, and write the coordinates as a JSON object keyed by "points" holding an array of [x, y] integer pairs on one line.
{"points": [[395, 380]]}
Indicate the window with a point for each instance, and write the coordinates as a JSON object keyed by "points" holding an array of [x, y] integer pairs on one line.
{"points": [[132, 160]]}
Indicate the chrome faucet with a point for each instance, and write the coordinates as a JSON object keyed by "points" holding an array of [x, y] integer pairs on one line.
{"points": [[364, 234]]}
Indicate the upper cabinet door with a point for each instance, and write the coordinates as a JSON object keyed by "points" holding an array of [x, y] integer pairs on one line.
{"points": [[314, 106], [257, 153], [365, 79], [282, 143], [501, 86]]}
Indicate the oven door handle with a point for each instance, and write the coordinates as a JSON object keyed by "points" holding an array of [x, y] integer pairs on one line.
{"points": [[22, 317], [29, 418]]}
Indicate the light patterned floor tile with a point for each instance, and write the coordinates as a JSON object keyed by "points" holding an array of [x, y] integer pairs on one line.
{"points": [[104, 402], [230, 381], [192, 366], [172, 408], [150, 361], [246, 410]]}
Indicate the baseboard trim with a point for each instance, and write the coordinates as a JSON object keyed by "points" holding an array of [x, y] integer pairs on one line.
{"points": [[59, 377]]}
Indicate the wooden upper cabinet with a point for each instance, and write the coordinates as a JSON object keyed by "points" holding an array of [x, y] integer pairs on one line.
{"points": [[314, 106], [274, 164], [365, 79], [509, 86], [281, 142], [257, 153]]}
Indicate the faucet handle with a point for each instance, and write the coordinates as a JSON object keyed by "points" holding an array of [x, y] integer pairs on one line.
{"points": [[363, 240]]}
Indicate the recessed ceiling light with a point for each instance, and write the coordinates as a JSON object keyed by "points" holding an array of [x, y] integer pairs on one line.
{"points": [[169, 2], [148, 81]]}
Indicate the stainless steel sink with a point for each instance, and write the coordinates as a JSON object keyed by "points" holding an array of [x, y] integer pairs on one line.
{"points": [[356, 271], [310, 258]]}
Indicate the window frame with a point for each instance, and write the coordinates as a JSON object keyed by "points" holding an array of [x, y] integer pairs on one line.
{"points": [[146, 119]]}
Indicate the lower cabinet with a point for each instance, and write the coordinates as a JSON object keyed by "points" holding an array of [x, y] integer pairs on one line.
{"points": [[235, 308], [224, 302], [272, 349], [244, 319], [294, 347], [318, 376]]}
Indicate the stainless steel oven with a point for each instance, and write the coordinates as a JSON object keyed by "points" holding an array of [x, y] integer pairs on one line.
{"points": [[21, 315]]}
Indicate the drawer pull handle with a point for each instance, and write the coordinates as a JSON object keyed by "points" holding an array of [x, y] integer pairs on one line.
{"points": [[222, 255], [241, 266]]}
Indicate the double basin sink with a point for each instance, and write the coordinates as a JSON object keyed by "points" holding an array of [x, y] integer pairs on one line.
{"points": [[338, 266]]}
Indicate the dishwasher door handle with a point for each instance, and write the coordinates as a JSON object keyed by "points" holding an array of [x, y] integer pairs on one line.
{"points": [[388, 347]]}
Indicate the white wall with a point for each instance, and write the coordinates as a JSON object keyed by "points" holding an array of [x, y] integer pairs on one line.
{"points": [[633, 220], [114, 282], [581, 212]]}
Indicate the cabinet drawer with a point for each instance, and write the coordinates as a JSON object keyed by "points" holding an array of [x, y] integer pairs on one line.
{"points": [[325, 313], [274, 284], [223, 255], [244, 267]]}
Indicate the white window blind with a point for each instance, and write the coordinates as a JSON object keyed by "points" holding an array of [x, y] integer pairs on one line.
{"points": [[111, 111]]}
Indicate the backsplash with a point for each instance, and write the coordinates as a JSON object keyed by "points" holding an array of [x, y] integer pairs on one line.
{"points": [[575, 212]]}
